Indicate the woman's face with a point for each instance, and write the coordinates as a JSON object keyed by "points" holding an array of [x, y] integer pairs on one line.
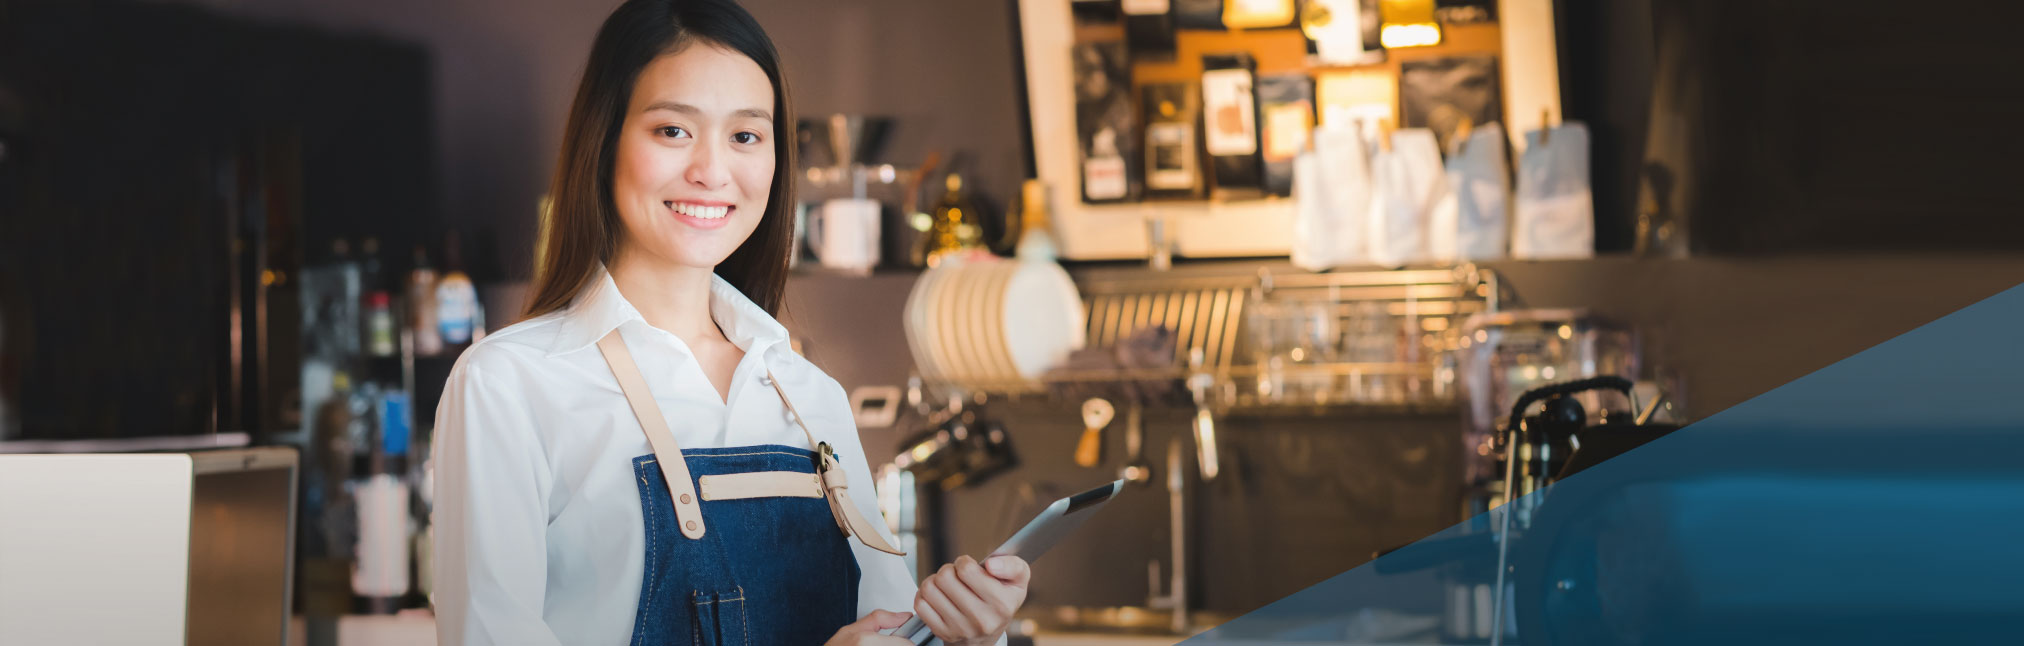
{"points": [[695, 156]]}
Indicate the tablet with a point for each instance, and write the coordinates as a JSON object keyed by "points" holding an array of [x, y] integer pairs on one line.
{"points": [[1033, 540]]}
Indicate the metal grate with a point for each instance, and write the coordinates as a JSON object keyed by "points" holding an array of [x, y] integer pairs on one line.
{"points": [[1200, 318], [1229, 313]]}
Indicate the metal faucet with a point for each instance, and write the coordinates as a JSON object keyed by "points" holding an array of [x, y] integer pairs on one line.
{"points": [[1176, 597]]}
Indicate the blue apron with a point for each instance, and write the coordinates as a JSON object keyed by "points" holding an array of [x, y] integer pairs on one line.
{"points": [[769, 571], [772, 564]]}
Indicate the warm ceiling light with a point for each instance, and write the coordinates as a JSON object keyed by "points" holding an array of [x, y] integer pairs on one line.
{"points": [[1257, 14], [1397, 36], [1408, 23]]}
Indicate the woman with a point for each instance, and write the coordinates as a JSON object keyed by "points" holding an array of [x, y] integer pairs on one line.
{"points": [[644, 460]]}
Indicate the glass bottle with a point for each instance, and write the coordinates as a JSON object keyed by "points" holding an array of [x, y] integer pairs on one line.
{"points": [[954, 228], [1036, 241], [456, 297], [422, 306]]}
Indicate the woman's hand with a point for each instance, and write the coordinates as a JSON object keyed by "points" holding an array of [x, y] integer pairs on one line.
{"points": [[865, 631], [966, 604]]}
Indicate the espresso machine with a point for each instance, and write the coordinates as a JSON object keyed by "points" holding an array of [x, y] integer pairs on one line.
{"points": [[1547, 359], [1501, 355]]}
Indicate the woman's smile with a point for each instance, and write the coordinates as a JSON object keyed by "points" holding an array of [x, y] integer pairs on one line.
{"points": [[701, 215]]}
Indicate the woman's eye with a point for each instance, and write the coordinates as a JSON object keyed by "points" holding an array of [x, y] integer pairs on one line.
{"points": [[746, 138], [672, 131]]}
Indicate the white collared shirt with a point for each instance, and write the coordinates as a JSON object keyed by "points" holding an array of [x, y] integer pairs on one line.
{"points": [[537, 521]]}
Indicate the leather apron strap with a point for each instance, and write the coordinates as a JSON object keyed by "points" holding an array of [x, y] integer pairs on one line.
{"points": [[835, 483], [830, 476], [674, 469]]}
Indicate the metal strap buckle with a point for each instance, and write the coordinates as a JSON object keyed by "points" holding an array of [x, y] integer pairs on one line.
{"points": [[824, 457]]}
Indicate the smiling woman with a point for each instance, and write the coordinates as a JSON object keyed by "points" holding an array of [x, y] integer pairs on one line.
{"points": [[666, 484], [644, 60], [695, 158]]}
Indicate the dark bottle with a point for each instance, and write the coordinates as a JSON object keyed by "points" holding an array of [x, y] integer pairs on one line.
{"points": [[1149, 28], [1198, 14]]}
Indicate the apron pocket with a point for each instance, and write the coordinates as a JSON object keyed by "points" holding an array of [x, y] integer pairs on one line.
{"points": [[720, 618]]}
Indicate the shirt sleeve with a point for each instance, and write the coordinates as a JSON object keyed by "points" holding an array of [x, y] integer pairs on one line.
{"points": [[490, 516], [884, 582]]}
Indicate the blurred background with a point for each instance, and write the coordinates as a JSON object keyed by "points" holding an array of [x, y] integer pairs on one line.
{"points": [[1305, 252]]}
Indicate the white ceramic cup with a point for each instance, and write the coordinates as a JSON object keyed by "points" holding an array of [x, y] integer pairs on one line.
{"points": [[844, 234]]}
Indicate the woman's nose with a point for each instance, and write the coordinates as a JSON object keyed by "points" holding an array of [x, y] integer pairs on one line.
{"points": [[706, 167]]}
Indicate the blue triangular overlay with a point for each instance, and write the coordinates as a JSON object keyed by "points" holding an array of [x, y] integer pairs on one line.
{"points": [[1877, 500]]}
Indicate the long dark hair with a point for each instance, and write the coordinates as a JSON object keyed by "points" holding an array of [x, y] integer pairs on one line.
{"points": [[583, 227]]}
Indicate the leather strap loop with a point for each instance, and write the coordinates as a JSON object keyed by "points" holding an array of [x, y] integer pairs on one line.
{"points": [[761, 484]]}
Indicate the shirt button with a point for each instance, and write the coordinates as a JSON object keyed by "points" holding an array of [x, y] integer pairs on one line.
{"points": [[691, 525], [765, 380], [685, 499]]}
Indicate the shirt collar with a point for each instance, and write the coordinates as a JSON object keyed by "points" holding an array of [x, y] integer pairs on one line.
{"points": [[601, 309]]}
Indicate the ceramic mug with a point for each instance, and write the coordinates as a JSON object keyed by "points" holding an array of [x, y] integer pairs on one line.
{"points": [[844, 234]]}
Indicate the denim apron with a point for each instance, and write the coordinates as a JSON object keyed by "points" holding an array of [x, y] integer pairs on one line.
{"points": [[744, 545]]}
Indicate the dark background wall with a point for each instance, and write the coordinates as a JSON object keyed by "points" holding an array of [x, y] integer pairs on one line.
{"points": [[160, 160], [1801, 126], [1606, 61]]}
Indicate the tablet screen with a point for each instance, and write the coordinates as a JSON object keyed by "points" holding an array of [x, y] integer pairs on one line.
{"points": [[1084, 500]]}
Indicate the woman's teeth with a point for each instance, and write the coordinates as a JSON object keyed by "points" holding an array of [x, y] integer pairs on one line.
{"points": [[699, 211]]}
